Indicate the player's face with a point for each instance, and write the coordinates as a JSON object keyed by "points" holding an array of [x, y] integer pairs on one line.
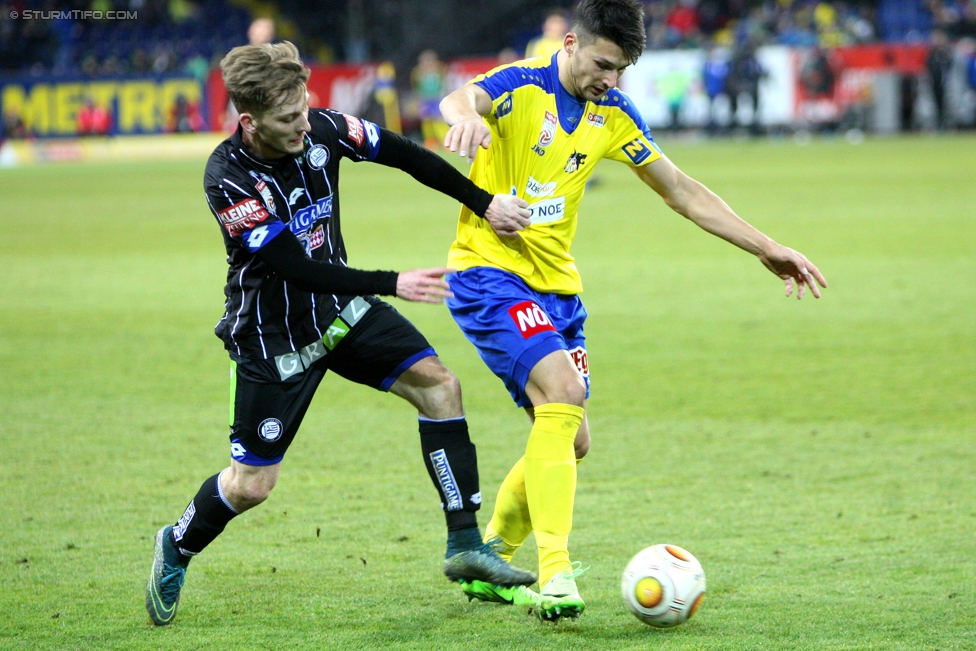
{"points": [[281, 130], [594, 66]]}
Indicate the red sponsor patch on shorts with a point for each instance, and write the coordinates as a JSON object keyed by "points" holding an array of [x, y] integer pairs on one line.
{"points": [[529, 318], [579, 358], [356, 132], [242, 216]]}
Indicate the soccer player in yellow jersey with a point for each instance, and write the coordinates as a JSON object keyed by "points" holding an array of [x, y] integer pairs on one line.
{"points": [[544, 124]]}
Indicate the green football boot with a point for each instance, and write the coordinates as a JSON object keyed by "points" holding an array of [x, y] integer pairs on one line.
{"points": [[517, 595], [484, 564], [559, 597], [165, 579]]}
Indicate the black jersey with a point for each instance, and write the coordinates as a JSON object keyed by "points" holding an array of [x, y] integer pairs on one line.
{"points": [[254, 200], [269, 209]]}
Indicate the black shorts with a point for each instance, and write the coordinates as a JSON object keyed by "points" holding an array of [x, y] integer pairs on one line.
{"points": [[269, 398]]}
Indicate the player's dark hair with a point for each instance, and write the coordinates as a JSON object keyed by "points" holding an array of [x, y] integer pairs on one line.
{"points": [[259, 77], [619, 21]]}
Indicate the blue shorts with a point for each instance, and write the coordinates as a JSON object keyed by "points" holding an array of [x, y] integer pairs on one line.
{"points": [[514, 326]]}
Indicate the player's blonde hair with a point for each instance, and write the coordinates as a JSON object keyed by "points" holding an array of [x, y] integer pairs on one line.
{"points": [[259, 77]]}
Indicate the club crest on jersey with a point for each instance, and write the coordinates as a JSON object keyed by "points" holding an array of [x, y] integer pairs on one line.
{"points": [[356, 132], [265, 193], [548, 129], [575, 161], [595, 119], [317, 157], [529, 318]]}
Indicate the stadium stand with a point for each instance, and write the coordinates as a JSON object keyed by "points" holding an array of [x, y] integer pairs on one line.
{"points": [[186, 36]]}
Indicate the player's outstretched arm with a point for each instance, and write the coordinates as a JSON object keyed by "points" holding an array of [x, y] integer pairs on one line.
{"points": [[285, 256], [423, 285], [693, 200], [506, 213], [463, 110]]}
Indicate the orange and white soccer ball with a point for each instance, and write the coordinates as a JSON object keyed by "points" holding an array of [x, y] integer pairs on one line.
{"points": [[663, 585]]}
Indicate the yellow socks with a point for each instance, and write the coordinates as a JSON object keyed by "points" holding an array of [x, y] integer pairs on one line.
{"points": [[510, 522], [550, 483]]}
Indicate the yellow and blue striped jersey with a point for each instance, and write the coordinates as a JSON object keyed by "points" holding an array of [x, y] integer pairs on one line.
{"points": [[545, 144]]}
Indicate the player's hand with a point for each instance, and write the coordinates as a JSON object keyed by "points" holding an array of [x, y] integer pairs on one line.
{"points": [[423, 285], [466, 136], [795, 270], [508, 214]]}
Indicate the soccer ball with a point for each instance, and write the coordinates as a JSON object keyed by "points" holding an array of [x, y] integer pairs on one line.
{"points": [[663, 585]]}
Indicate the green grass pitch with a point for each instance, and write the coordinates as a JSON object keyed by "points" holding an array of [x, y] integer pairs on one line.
{"points": [[817, 456]]}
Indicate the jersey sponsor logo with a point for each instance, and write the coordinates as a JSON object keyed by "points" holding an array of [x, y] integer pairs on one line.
{"points": [[579, 358], [529, 318], [270, 429], [548, 129], [257, 237], [316, 238], [303, 219], [535, 189], [637, 151], [295, 195], [335, 333], [180, 528], [595, 119], [356, 132], [237, 450], [265, 193], [575, 161], [355, 310], [445, 477], [242, 216], [372, 132], [549, 210], [317, 157], [504, 108], [289, 364], [312, 352]]}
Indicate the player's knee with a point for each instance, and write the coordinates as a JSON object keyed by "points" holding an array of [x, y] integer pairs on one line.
{"points": [[450, 385], [569, 390], [246, 492], [442, 390]]}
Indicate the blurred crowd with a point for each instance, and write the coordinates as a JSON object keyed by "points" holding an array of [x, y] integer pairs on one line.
{"points": [[166, 36], [800, 23], [189, 37], [803, 23], [141, 37]]}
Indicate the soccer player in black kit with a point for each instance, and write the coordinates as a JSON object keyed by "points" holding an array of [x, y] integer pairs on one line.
{"points": [[295, 310]]}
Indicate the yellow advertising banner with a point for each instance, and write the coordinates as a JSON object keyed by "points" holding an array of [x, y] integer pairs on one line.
{"points": [[50, 108]]}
